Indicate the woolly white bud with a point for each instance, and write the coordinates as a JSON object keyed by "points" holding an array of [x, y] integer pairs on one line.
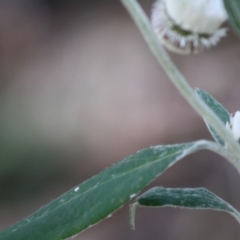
{"points": [[189, 26], [234, 125]]}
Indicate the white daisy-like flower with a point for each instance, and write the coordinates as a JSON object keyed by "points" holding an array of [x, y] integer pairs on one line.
{"points": [[189, 26], [234, 125]]}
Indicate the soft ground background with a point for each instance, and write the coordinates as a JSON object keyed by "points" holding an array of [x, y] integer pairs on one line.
{"points": [[80, 91]]}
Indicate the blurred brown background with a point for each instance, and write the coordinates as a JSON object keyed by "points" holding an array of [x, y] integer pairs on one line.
{"points": [[80, 91]]}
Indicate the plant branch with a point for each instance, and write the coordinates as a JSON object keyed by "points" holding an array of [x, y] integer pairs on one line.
{"points": [[179, 81]]}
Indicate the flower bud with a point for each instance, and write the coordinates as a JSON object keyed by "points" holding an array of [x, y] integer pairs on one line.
{"points": [[234, 125], [189, 26]]}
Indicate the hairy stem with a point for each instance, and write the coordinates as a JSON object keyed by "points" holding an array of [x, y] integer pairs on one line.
{"points": [[179, 81]]}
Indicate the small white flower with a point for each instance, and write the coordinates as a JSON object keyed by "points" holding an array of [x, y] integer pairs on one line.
{"points": [[189, 26], [234, 125]]}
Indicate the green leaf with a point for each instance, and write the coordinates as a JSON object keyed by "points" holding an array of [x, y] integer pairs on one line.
{"points": [[96, 198], [233, 10], [218, 109], [198, 198]]}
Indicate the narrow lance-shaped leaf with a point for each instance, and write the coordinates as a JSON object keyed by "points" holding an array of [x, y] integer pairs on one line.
{"points": [[99, 196], [218, 109], [198, 198], [233, 10]]}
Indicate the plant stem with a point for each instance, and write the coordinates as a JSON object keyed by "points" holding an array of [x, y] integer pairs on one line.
{"points": [[217, 148], [179, 81]]}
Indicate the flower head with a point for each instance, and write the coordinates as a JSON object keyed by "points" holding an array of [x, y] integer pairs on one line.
{"points": [[234, 125], [189, 26]]}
